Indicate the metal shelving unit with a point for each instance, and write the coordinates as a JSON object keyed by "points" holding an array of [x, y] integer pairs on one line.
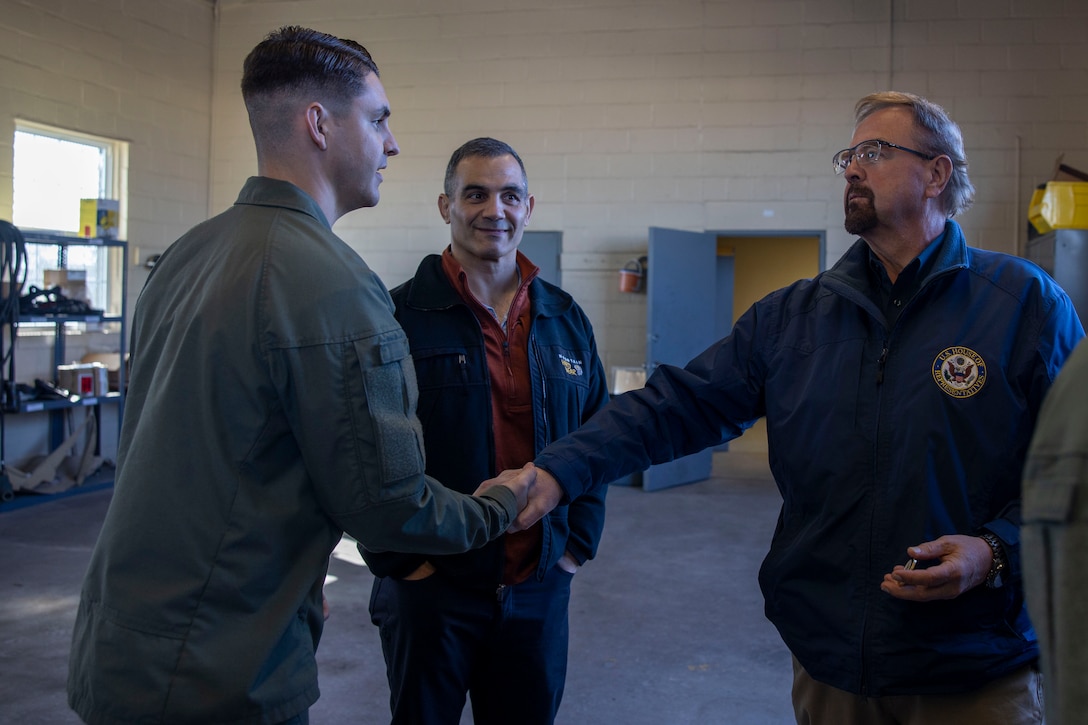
{"points": [[57, 409]]}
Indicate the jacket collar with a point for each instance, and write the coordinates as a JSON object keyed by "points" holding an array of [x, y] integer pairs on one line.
{"points": [[952, 254], [430, 289], [265, 191]]}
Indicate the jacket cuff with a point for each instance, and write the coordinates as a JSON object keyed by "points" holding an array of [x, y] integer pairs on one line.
{"points": [[555, 467], [505, 498]]}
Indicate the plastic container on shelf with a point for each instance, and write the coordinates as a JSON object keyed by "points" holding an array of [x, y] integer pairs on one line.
{"points": [[1064, 205]]}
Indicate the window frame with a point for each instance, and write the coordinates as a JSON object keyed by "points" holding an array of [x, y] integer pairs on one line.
{"points": [[113, 184]]}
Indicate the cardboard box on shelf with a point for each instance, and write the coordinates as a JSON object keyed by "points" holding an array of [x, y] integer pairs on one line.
{"points": [[1062, 172], [72, 283], [87, 380], [112, 363]]}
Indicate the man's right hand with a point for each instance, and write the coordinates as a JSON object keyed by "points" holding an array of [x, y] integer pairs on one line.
{"points": [[545, 495], [520, 481]]}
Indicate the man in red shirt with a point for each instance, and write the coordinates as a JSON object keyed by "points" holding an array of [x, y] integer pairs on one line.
{"points": [[506, 363]]}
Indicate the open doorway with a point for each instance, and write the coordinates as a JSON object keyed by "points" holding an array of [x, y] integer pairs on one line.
{"points": [[760, 265], [698, 284]]}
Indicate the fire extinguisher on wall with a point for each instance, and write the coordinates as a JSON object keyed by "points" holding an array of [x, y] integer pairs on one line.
{"points": [[632, 274]]}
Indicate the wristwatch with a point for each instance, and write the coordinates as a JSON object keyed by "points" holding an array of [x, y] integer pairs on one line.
{"points": [[996, 578]]}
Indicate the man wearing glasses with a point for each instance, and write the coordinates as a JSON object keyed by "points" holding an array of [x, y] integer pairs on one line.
{"points": [[900, 390]]}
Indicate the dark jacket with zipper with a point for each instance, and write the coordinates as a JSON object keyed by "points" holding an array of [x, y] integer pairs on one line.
{"points": [[568, 384], [880, 437]]}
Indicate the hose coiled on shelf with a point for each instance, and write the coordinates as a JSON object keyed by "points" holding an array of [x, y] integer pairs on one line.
{"points": [[13, 265]]}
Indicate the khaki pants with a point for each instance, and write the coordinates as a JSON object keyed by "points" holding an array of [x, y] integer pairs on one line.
{"points": [[1015, 699]]}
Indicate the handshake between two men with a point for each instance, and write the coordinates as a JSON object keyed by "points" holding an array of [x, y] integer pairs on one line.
{"points": [[536, 490]]}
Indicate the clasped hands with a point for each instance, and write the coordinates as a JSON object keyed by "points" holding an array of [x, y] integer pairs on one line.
{"points": [[536, 490]]}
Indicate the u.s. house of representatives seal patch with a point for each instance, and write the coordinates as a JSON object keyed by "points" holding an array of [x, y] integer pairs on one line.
{"points": [[959, 371]]}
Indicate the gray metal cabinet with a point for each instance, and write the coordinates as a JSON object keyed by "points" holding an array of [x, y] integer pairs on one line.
{"points": [[1063, 253]]}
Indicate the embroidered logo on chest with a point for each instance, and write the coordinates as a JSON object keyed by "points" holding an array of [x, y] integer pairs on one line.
{"points": [[572, 366], [959, 371]]}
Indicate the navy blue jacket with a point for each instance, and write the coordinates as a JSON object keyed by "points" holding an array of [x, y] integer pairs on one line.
{"points": [[569, 385], [879, 438]]}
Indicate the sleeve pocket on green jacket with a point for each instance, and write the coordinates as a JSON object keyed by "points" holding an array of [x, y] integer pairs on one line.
{"points": [[391, 399]]}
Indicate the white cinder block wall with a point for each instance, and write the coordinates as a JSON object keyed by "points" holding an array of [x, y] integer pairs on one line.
{"points": [[680, 113], [629, 113]]}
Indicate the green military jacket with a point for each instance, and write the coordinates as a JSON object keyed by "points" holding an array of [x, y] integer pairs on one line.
{"points": [[1054, 540], [271, 406]]}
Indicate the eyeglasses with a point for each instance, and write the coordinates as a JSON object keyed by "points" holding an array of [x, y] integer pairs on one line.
{"points": [[868, 153]]}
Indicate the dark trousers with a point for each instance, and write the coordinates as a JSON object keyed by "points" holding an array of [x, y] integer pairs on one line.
{"points": [[507, 649]]}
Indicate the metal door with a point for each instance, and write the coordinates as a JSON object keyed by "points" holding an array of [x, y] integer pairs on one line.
{"points": [[544, 249], [681, 321]]}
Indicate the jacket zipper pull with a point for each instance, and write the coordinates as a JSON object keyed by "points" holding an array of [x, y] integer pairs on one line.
{"points": [[880, 365]]}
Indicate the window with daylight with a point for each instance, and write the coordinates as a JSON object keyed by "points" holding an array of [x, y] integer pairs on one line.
{"points": [[54, 168]]}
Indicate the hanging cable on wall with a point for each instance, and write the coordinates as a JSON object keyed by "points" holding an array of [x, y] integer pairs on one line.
{"points": [[12, 278], [13, 273]]}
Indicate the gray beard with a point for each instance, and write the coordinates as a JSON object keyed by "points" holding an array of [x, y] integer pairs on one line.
{"points": [[860, 220]]}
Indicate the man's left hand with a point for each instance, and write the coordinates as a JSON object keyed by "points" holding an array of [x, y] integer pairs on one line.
{"points": [[568, 563], [964, 564]]}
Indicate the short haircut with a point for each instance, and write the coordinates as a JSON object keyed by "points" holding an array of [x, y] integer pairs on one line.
{"points": [[486, 147], [293, 60], [939, 136]]}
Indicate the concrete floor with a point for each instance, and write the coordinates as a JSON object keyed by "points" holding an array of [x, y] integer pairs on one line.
{"points": [[667, 623]]}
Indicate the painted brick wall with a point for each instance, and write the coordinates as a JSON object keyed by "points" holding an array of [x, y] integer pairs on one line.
{"points": [[134, 71], [688, 113]]}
